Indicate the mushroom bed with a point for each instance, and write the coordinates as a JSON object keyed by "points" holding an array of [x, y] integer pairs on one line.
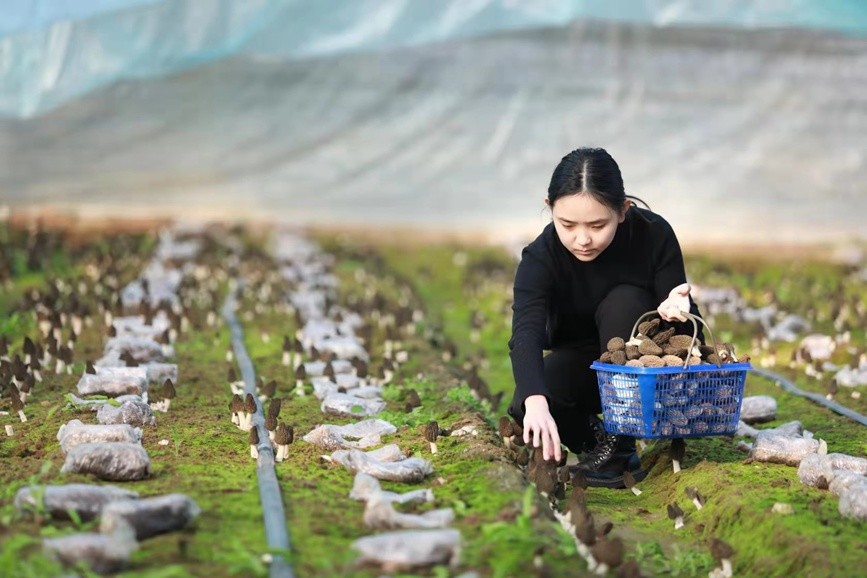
{"points": [[451, 367]]}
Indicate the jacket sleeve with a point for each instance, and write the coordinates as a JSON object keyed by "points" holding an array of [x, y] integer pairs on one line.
{"points": [[532, 292]]}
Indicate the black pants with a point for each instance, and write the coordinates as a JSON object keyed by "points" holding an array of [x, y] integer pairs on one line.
{"points": [[572, 386]]}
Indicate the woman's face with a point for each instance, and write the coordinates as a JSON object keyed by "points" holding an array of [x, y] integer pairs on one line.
{"points": [[584, 225]]}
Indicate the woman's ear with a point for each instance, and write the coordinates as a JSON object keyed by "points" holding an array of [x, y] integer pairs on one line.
{"points": [[547, 203], [626, 204]]}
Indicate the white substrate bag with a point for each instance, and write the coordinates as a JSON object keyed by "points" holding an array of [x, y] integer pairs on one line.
{"points": [[86, 500], [407, 549], [116, 461], [151, 516], [76, 433], [779, 449], [104, 554], [346, 405], [135, 412], [114, 381]]}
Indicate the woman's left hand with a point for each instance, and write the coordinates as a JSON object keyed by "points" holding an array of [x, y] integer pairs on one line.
{"points": [[676, 304]]}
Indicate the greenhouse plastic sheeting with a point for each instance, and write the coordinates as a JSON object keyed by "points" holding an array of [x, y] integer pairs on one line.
{"points": [[54, 50], [734, 134]]}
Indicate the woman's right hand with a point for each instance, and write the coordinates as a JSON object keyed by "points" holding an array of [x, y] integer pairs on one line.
{"points": [[539, 424]]}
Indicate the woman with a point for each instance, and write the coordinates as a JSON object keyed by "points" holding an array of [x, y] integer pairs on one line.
{"points": [[587, 277]]}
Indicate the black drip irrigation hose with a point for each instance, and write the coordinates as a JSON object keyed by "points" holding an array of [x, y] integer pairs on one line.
{"points": [[821, 400], [276, 533]]}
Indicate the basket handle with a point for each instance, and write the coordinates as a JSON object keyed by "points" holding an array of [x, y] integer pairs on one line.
{"points": [[693, 319]]}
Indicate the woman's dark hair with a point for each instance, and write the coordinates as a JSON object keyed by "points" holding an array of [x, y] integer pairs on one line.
{"points": [[592, 171]]}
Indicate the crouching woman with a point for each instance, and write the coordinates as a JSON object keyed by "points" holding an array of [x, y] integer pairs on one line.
{"points": [[599, 264]]}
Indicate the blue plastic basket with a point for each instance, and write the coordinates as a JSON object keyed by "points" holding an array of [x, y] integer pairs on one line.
{"points": [[671, 402]]}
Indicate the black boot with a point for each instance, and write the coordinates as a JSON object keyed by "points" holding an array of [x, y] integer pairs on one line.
{"points": [[605, 464], [597, 432]]}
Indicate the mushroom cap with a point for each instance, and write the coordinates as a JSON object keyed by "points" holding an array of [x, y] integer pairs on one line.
{"points": [[280, 434], [579, 479], [648, 347], [649, 328], [254, 436], [231, 376], [412, 398], [237, 404], [672, 360], [618, 357], [662, 337], [504, 427], [270, 388], [89, 368], [615, 344], [584, 528], [609, 551], [674, 511], [720, 550], [271, 423], [169, 389], [680, 341], [634, 363], [632, 351], [274, 407], [250, 403], [431, 431], [628, 479], [692, 493], [677, 449], [290, 434], [300, 372], [651, 361], [17, 404]]}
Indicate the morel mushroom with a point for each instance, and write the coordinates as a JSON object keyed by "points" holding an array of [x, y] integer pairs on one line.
{"points": [[629, 482], [254, 441], [608, 554], [676, 514], [271, 426], [431, 432], [274, 407], [249, 410], [236, 406], [283, 436], [696, 498], [287, 351], [18, 405], [676, 452], [504, 427], [300, 376], [722, 553], [168, 394]]}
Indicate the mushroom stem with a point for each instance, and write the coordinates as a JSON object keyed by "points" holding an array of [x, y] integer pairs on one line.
{"points": [[678, 523], [601, 569], [9, 431], [697, 503], [285, 359], [299, 387], [254, 453], [21, 416], [635, 491], [675, 465], [433, 447], [235, 419], [727, 567]]}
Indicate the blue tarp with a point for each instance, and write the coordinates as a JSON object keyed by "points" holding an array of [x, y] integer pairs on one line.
{"points": [[54, 50]]}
